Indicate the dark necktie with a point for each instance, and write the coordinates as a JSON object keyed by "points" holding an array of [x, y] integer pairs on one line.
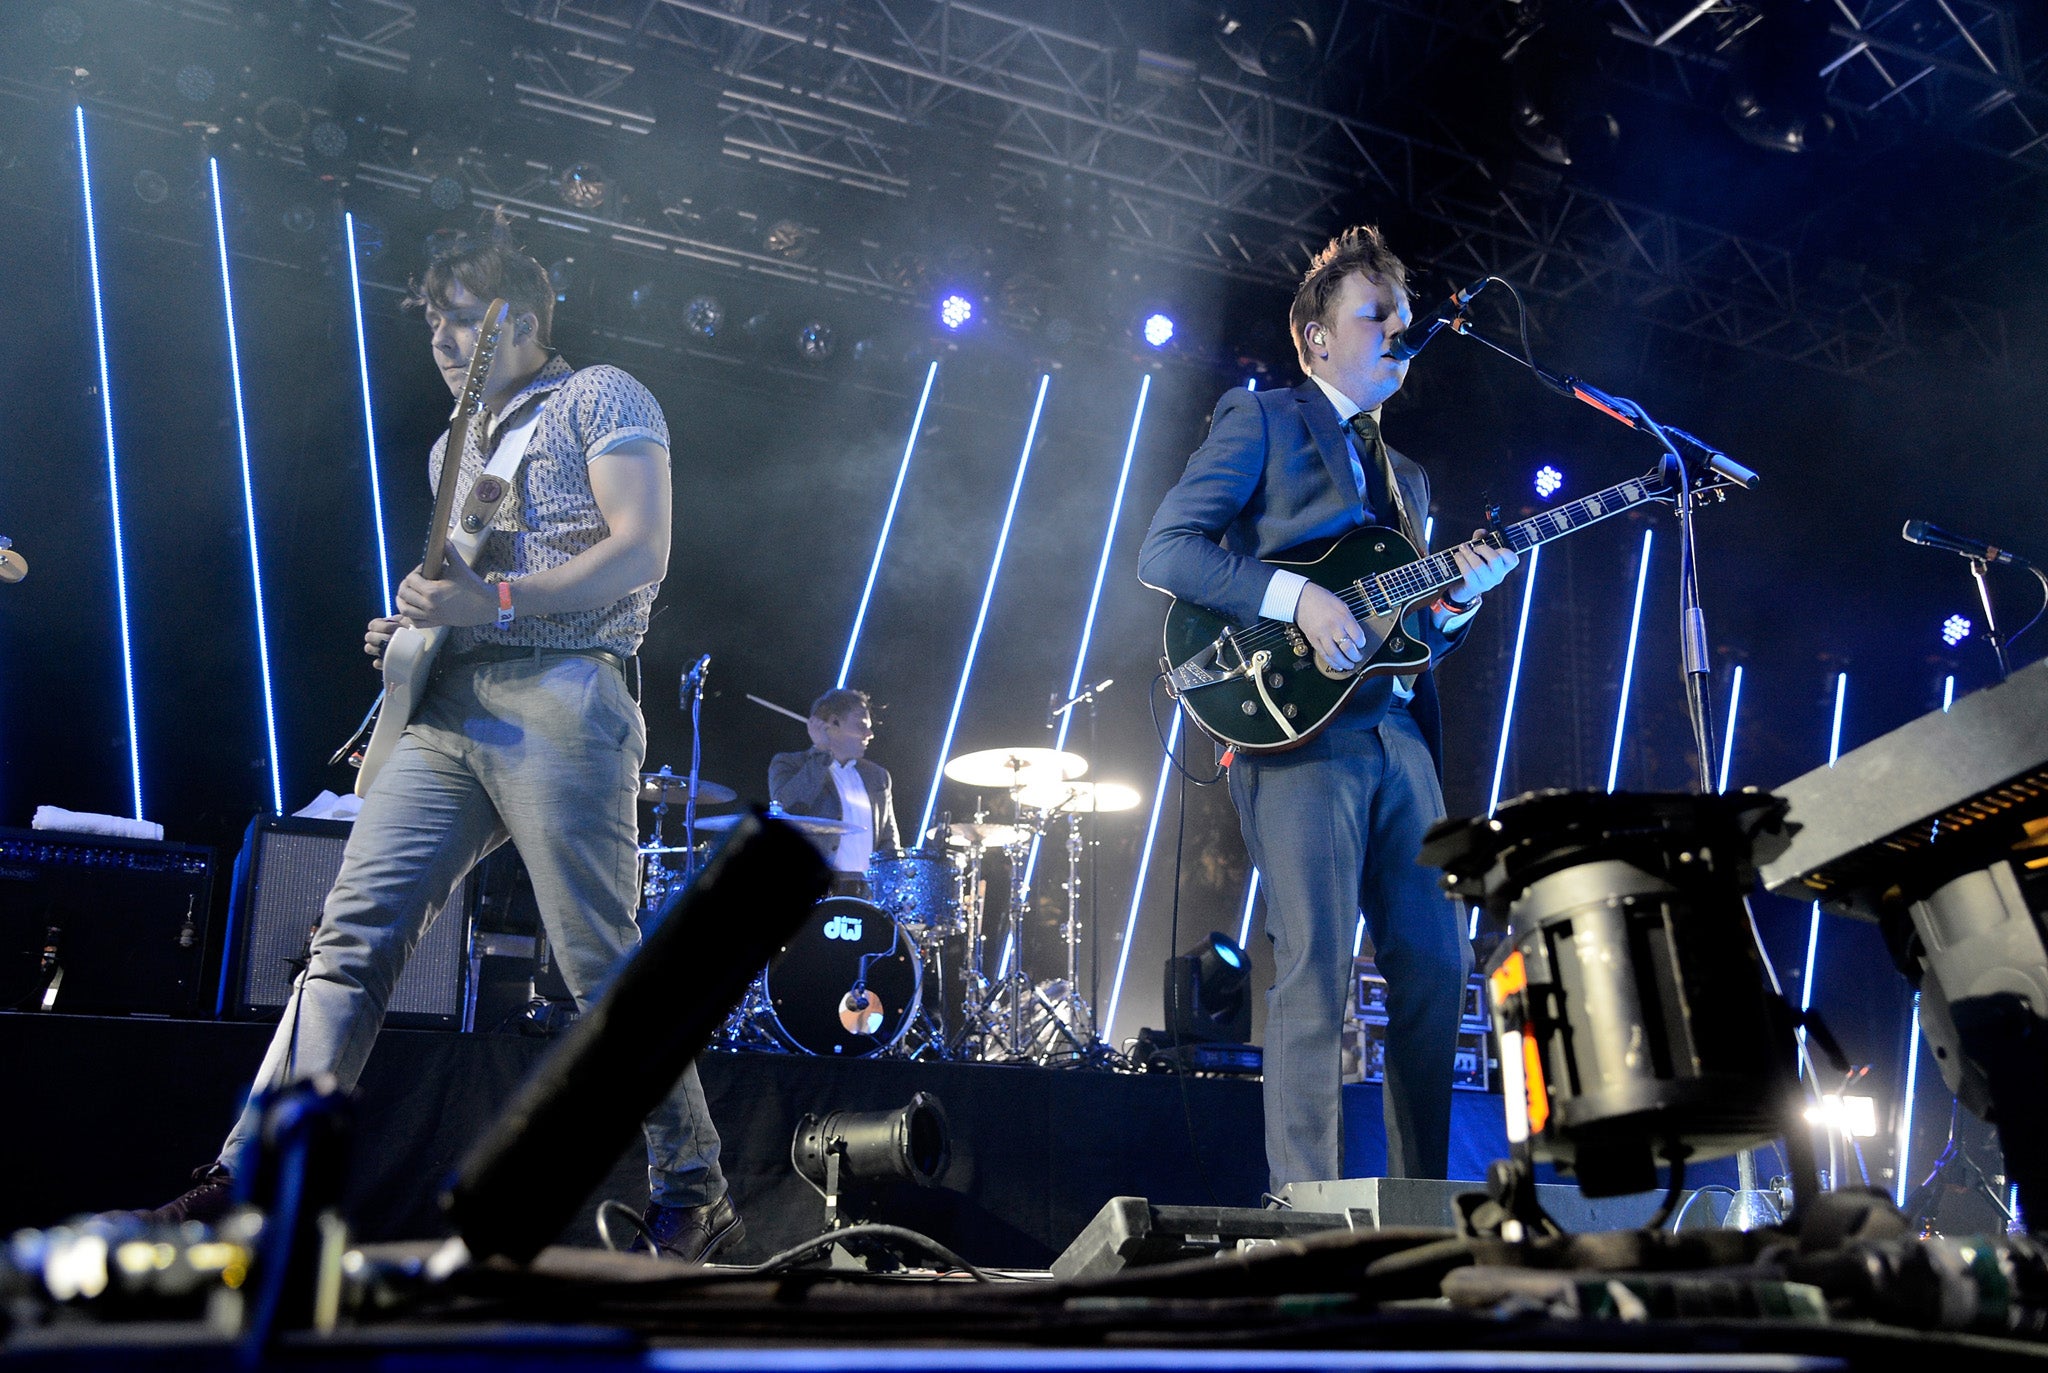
{"points": [[1372, 456]]}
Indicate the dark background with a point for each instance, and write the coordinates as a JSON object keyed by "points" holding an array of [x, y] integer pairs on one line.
{"points": [[782, 472]]}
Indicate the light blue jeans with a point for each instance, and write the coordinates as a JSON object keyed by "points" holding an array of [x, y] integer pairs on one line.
{"points": [[545, 751]]}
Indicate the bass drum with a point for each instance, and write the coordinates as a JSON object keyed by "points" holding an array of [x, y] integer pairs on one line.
{"points": [[846, 985]]}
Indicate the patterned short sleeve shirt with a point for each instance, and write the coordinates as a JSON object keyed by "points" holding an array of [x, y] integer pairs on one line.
{"points": [[552, 514]]}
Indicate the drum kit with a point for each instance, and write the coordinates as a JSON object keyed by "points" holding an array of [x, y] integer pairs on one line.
{"points": [[868, 975]]}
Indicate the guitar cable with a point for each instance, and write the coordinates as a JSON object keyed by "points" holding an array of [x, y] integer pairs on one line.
{"points": [[1152, 705]]}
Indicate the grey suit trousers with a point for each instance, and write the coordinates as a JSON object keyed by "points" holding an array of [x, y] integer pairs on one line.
{"points": [[1334, 828]]}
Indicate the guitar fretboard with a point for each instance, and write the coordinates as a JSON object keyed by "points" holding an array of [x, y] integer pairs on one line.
{"points": [[1426, 576]]}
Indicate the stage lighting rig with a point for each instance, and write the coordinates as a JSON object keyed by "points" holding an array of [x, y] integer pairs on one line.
{"points": [[1549, 481], [584, 186], [704, 316], [150, 186], [1955, 629], [841, 1148], [1157, 329], [815, 341], [447, 193], [789, 240], [956, 311]]}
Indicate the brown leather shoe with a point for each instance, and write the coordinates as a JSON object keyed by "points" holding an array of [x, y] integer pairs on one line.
{"points": [[694, 1233], [208, 1200]]}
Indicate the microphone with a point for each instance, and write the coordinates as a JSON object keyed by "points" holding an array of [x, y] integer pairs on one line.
{"points": [[1416, 336], [1934, 536]]}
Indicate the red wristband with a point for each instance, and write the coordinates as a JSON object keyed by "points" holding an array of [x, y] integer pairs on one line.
{"points": [[504, 604]]}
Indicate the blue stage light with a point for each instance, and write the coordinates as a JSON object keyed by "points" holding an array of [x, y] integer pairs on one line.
{"points": [[1158, 330], [355, 285], [1227, 951], [1251, 902], [1905, 1176], [1549, 481], [1948, 692], [1116, 506], [1628, 668], [1507, 718], [227, 295], [1813, 926], [1123, 956], [1955, 629], [988, 591], [888, 522], [1728, 739], [99, 324], [955, 311]]}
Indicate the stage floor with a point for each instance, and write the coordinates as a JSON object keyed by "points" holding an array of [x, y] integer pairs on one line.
{"points": [[115, 1112]]}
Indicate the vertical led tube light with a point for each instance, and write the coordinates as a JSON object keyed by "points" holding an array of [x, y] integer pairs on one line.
{"points": [[1628, 668], [1728, 739], [888, 521], [355, 287], [1507, 718], [227, 294], [1948, 693], [988, 591], [1904, 1175], [1116, 506], [99, 324], [1251, 903], [1123, 956], [1813, 926]]}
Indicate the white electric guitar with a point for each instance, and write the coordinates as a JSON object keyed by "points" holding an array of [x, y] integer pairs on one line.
{"points": [[409, 657]]}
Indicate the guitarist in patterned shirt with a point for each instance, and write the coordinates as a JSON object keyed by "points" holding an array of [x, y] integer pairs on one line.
{"points": [[530, 731]]}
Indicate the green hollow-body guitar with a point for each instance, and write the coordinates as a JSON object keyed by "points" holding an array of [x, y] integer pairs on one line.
{"points": [[1261, 687]]}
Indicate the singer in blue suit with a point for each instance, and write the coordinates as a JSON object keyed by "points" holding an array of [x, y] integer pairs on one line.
{"points": [[1335, 825]]}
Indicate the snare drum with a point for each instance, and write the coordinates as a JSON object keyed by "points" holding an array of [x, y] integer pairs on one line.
{"points": [[918, 888], [847, 984]]}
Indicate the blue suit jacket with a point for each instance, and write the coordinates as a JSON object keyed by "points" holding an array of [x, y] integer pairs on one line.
{"points": [[1275, 474]]}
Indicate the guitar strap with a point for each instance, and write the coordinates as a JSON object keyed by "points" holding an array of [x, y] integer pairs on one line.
{"points": [[492, 485]]}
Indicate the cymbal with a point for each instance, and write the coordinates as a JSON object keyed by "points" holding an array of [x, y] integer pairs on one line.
{"points": [[1014, 767], [1086, 798], [658, 786], [971, 835], [809, 824]]}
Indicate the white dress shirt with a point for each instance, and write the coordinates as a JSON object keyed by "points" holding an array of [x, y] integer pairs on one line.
{"points": [[857, 845]]}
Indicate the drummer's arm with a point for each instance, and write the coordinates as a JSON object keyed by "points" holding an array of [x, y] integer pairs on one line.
{"points": [[793, 780]]}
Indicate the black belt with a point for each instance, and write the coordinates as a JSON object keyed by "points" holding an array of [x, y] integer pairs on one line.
{"points": [[627, 668]]}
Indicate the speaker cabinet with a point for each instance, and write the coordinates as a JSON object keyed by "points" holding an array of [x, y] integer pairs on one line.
{"points": [[282, 877], [116, 926]]}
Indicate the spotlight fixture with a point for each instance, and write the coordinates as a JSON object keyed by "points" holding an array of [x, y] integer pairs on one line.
{"points": [[815, 341], [1846, 1114], [641, 297], [1208, 994], [150, 187], [788, 239], [911, 1144], [299, 218], [704, 316], [281, 119], [328, 144], [447, 193], [955, 311], [1549, 481], [1283, 50], [1955, 629], [583, 187], [196, 83], [1157, 330], [1777, 97]]}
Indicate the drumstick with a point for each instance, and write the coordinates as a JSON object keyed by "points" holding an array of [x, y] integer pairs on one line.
{"points": [[779, 710]]}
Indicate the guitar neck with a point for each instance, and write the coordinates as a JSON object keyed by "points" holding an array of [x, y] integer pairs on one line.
{"points": [[435, 560], [1427, 576]]}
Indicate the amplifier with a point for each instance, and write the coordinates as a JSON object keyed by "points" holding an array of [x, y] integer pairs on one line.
{"points": [[282, 877], [103, 926], [1476, 1065]]}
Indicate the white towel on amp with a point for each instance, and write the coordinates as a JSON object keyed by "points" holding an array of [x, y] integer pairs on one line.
{"points": [[89, 822]]}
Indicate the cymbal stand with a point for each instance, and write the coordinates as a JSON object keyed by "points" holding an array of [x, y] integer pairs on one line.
{"points": [[1065, 1013], [974, 983]]}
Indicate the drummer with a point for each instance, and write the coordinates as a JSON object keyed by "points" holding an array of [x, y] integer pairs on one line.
{"points": [[834, 779]]}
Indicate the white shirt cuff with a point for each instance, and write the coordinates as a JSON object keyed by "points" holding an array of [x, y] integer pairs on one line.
{"points": [[1283, 595]]}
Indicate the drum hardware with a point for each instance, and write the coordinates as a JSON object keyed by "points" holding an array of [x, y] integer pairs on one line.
{"points": [[848, 984], [13, 567], [661, 789]]}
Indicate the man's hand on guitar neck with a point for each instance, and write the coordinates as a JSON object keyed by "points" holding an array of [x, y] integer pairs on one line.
{"points": [[1486, 565]]}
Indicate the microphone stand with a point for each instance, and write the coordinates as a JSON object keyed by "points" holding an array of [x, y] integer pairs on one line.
{"points": [[1710, 473], [1992, 636], [1714, 474], [693, 701]]}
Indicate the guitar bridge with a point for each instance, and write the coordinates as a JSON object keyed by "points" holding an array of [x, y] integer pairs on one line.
{"points": [[1207, 668]]}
